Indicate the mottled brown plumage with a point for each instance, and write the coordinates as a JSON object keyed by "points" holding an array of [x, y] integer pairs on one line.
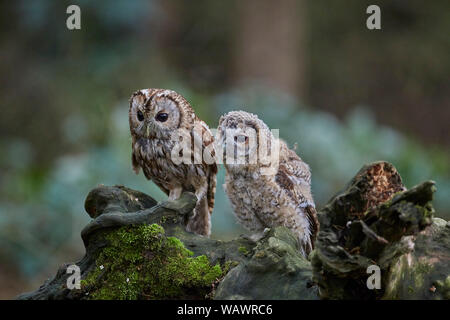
{"points": [[155, 115]]}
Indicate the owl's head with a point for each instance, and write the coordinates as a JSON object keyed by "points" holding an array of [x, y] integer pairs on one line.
{"points": [[155, 113], [246, 141]]}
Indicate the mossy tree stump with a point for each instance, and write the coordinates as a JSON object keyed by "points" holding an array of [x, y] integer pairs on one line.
{"points": [[138, 249]]}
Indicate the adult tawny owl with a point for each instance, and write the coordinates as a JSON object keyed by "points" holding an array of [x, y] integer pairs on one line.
{"points": [[267, 186], [159, 119]]}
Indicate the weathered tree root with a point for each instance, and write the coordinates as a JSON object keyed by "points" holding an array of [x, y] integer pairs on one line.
{"points": [[374, 221]]}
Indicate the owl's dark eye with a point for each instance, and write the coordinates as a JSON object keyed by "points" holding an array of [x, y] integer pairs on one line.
{"points": [[162, 117], [140, 116]]}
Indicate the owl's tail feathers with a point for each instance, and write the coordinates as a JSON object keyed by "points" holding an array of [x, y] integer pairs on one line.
{"points": [[200, 221], [308, 239], [212, 182], [306, 245], [306, 248], [313, 222]]}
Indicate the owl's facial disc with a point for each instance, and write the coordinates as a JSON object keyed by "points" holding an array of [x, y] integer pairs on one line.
{"points": [[239, 146], [163, 114], [137, 114], [142, 125]]}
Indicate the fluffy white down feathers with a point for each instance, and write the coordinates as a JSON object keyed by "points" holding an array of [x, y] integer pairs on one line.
{"points": [[264, 199]]}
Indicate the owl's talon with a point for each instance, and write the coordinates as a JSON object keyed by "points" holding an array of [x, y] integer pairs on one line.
{"points": [[175, 194]]}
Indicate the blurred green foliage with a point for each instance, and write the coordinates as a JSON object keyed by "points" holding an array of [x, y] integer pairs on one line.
{"points": [[64, 124], [40, 213]]}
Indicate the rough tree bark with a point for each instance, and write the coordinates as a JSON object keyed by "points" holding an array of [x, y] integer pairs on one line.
{"points": [[138, 249], [269, 44]]}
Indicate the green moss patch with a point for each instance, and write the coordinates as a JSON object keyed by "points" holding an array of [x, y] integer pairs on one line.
{"points": [[243, 250], [140, 262]]}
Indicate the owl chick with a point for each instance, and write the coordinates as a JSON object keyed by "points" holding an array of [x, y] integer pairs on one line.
{"points": [[157, 117], [263, 198]]}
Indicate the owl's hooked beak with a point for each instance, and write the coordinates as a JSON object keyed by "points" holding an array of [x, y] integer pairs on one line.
{"points": [[148, 132]]}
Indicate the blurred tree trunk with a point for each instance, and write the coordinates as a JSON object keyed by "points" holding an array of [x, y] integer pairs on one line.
{"points": [[268, 44]]}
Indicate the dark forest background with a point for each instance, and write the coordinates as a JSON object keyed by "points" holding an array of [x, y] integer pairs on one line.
{"points": [[345, 94]]}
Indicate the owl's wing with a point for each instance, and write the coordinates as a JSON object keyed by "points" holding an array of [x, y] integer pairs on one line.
{"points": [[294, 177], [166, 191], [135, 163], [210, 164], [211, 187], [315, 225]]}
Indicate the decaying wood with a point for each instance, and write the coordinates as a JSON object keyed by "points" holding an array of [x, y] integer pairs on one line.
{"points": [[373, 221]]}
